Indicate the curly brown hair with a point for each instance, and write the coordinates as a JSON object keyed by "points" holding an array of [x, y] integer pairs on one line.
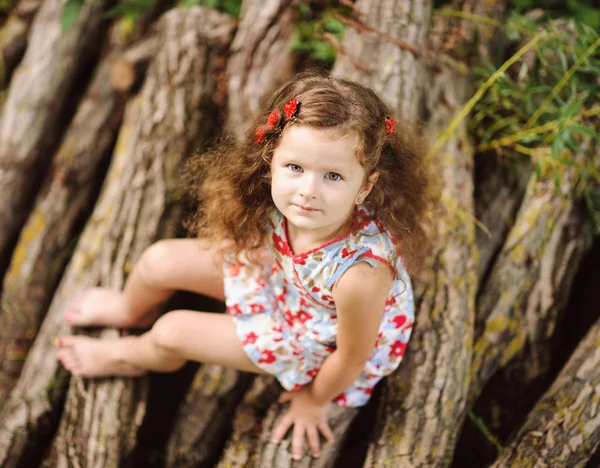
{"points": [[234, 192]]}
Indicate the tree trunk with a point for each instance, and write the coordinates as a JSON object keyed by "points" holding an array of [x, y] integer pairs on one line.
{"points": [[564, 427], [173, 114], [261, 58], [66, 197], [204, 419], [504, 299], [13, 38], [496, 203], [33, 113], [434, 374]]}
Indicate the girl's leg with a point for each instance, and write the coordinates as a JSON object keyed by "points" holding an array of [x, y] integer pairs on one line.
{"points": [[163, 268], [175, 338]]}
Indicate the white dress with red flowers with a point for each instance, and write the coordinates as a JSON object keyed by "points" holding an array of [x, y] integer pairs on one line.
{"points": [[285, 314]]}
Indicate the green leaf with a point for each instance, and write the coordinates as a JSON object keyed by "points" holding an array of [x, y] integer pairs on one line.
{"points": [[70, 13]]}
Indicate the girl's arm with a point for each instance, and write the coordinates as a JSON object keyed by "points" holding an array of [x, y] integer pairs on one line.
{"points": [[360, 296]]}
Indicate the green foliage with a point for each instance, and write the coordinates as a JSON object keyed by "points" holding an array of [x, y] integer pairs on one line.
{"points": [[544, 104], [70, 13], [316, 32], [583, 11]]}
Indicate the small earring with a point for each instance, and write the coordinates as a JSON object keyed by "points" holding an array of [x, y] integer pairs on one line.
{"points": [[359, 200]]}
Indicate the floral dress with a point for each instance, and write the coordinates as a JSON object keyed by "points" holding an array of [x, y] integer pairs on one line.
{"points": [[284, 311]]}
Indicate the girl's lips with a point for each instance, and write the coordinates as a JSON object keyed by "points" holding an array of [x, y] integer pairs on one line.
{"points": [[305, 208]]}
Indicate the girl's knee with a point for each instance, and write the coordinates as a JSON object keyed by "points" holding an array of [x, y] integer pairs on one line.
{"points": [[154, 262], [166, 333]]}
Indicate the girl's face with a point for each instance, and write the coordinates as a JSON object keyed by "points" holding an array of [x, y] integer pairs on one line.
{"points": [[316, 182]]}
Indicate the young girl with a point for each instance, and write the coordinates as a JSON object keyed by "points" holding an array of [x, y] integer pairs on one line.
{"points": [[308, 227]]}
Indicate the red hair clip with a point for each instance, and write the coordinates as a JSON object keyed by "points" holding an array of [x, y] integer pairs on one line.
{"points": [[390, 126], [290, 109]]}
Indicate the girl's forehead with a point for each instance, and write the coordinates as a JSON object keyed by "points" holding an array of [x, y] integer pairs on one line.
{"points": [[302, 139]]}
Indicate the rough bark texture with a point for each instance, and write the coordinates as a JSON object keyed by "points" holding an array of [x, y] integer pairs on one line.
{"points": [[255, 418], [394, 72], [496, 203], [13, 38], [503, 305], [434, 375], [204, 418], [127, 69], [67, 194], [31, 122], [164, 124], [564, 427], [261, 58]]}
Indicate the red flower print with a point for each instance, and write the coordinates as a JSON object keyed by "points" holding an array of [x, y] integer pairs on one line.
{"points": [[268, 357], [397, 349], [368, 391], [345, 253], [297, 386], [315, 289], [399, 320], [301, 259], [278, 329], [280, 246], [390, 301], [255, 308], [303, 316], [273, 118], [312, 373], [341, 399], [234, 309], [250, 338], [261, 133], [291, 108], [327, 297], [289, 318]]}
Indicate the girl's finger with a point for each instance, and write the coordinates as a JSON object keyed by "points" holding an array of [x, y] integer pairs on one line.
{"points": [[312, 435], [285, 396], [281, 429], [326, 431], [298, 441]]}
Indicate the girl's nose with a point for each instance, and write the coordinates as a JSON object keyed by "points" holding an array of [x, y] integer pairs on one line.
{"points": [[308, 187]]}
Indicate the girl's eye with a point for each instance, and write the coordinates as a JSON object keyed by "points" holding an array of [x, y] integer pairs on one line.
{"points": [[294, 168], [333, 176]]}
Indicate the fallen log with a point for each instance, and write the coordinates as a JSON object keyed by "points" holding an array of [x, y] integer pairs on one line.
{"points": [[564, 427], [13, 38], [67, 194], [260, 58], [503, 304], [424, 402], [262, 40], [171, 116], [33, 114]]}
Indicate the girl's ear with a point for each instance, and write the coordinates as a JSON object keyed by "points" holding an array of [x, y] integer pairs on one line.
{"points": [[367, 187]]}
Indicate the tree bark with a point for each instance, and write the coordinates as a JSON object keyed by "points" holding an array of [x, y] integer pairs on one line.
{"points": [[504, 301], [172, 115], [434, 374], [32, 115], [67, 194], [564, 427], [204, 419], [13, 38], [261, 58]]}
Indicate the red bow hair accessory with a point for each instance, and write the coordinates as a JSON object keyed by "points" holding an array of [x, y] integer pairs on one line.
{"points": [[291, 108], [390, 126]]}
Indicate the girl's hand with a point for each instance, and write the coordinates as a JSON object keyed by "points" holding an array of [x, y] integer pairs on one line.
{"points": [[308, 417]]}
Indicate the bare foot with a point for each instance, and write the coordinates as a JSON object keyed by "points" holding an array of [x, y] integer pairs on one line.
{"points": [[91, 357], [101, 307]]}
